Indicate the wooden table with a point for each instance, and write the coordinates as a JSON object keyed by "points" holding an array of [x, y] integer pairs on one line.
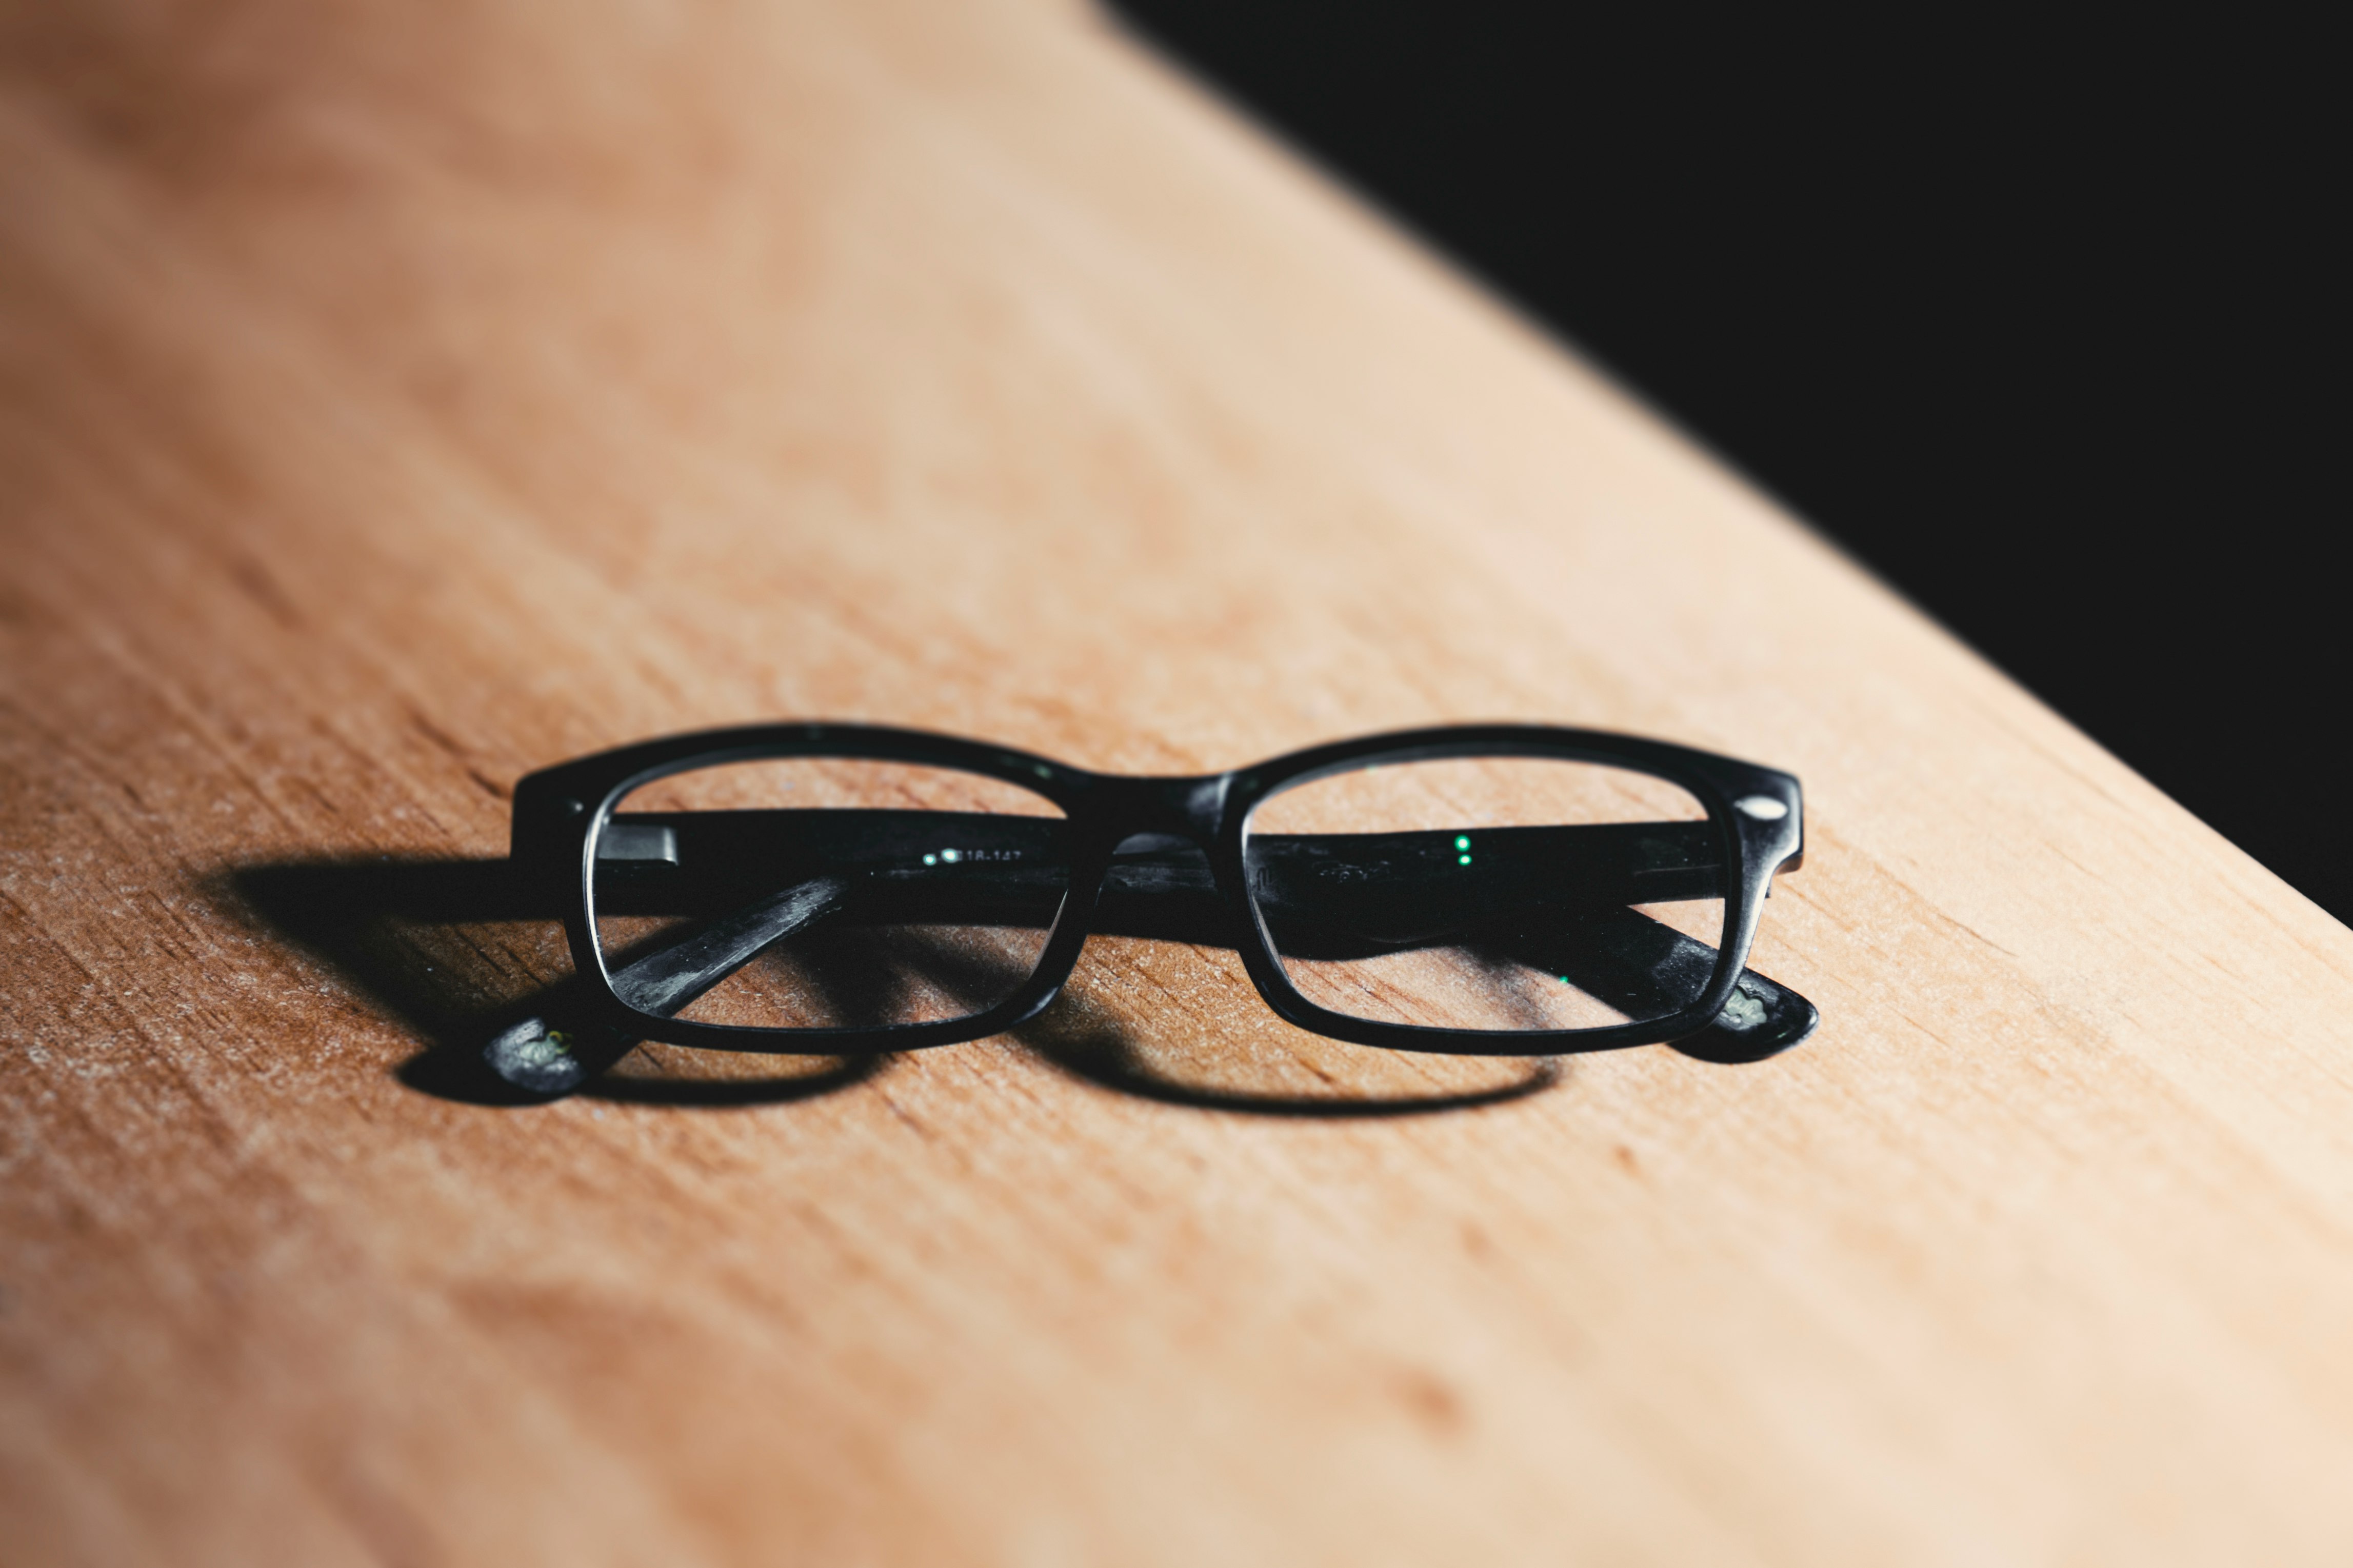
{"points": [[396, 399]]}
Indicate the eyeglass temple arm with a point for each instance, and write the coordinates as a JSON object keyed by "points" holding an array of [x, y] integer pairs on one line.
{"points": [[668, 976], [1625, 958]]}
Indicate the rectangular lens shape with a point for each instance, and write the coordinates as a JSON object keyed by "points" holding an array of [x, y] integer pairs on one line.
{"points": [[1513, 894], [827, 892]]}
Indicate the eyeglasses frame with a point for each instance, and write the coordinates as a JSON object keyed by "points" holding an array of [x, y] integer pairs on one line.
{"points": [[560, 813]]}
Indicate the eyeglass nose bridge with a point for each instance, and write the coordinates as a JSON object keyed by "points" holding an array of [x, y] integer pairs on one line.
{"points": [[1188, 808]]}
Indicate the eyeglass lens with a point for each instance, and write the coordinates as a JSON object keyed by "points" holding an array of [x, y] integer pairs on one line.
{"points": [[1490, 893], [827, 892]]}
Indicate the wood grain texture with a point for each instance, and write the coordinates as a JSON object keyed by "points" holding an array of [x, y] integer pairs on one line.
{"points": [[396, 398]]}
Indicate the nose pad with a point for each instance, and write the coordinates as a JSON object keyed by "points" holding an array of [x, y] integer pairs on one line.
{"points": [[1161, 887], [1140, 844]]}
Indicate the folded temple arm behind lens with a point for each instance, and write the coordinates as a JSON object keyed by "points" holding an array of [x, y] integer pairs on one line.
{"points": [[1555, 898]]}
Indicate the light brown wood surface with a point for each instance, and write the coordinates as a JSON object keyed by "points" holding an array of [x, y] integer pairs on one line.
{"points": [[396, 399]]}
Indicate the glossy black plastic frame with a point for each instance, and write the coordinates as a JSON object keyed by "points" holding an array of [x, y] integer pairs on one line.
{"points": [[560, 812]]}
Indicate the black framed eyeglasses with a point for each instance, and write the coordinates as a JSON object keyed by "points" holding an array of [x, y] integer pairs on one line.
{"points": [[1496, 889]]}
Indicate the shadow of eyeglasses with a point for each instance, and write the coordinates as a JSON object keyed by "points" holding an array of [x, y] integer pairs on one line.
{"points": [[538, 1047]]}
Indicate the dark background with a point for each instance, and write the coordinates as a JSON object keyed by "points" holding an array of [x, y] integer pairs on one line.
{"points": [[2034, 318]]}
